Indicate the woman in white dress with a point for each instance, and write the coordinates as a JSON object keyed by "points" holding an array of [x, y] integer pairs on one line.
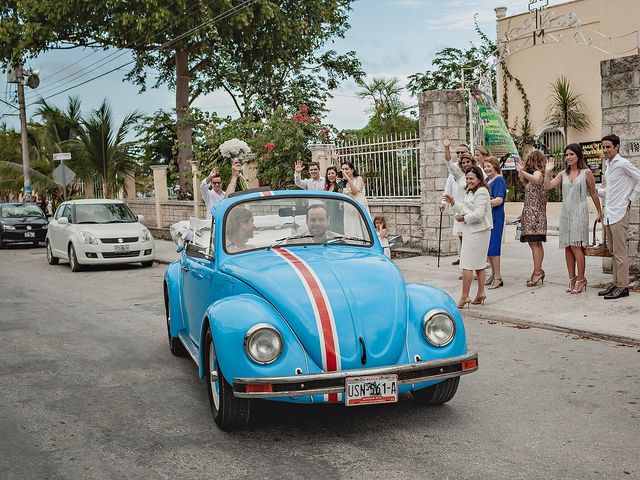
{"points": [[474, 213], [354, 187]]}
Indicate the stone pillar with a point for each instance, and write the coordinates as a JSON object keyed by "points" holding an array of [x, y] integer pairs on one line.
{"points": [[621, 116], [195, 174], [441, 112], [323, 153], [160, 190], [129, 186]]}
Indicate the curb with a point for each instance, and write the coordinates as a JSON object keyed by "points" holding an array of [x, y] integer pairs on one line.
{"points": [[547, 326], [527, 323]]}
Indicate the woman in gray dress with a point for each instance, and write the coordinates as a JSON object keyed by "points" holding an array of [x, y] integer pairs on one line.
{"points": [[577, 183]]}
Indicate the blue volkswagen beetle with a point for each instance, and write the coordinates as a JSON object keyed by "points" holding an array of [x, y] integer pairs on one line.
{"points": [[289, 297]]}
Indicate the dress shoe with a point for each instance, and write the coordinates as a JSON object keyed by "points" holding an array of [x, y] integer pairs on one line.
{"points": [[607, 290], [456, 262], [617, 293]]}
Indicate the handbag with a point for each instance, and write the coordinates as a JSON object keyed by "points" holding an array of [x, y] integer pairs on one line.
{"points": [[597, 249]]}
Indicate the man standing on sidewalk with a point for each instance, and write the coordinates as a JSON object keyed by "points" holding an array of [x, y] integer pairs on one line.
{"points": [[622, 188], [211, 187], [316, 182]]}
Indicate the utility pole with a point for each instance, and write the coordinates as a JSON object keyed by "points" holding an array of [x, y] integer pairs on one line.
{"points": [[26, 167]]}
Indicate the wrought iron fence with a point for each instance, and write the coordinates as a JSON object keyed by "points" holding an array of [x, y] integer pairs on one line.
{"points": [[390, 165]]}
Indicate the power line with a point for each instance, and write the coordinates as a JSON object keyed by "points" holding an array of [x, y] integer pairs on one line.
{"points": [[212, 21], [108, 59]]}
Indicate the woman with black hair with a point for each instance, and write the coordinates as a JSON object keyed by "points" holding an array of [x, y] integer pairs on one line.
{"points": [[331, 180], [354, 187], [577, 182], [474, 214]]}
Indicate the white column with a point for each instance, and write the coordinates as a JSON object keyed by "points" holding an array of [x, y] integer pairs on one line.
{"points": [[160, 190]]}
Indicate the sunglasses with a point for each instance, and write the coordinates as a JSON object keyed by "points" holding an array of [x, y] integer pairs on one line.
{"points": [[461, 152]]}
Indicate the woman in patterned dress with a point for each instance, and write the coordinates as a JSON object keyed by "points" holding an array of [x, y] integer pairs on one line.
{"points": [[534, 211]]}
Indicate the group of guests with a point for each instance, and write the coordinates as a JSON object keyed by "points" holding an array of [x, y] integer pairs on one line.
{"points": [[621, 182], [347, 180], [477, 197]]}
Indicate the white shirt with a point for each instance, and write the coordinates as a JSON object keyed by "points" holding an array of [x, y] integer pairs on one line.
{"points": [[210, 197], [622, 185], [450, 188], [308, 183], [461, 181]]}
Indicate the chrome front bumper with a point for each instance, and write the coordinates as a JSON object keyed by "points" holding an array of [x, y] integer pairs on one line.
{"points": [[334, 382]]}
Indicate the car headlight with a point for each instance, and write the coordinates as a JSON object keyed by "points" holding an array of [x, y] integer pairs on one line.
{"points": [[146, 235], [8, 227], [45, 226], [263, 343], [438, 328], [88, 238]]}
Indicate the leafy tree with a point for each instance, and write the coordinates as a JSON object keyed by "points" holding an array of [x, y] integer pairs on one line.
{"points": [[265, 54], [449, 64], [566, 110]]}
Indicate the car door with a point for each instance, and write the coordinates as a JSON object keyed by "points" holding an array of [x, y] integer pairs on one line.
{"points": [[197, 269], [58, 233]]}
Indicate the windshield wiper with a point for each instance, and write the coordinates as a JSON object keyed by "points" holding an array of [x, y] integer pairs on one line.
{"points": [[118, 221], [88, 221], [282, 240], [343, 239]]}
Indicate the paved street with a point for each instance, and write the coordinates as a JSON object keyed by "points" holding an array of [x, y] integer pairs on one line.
{"points": [[88, 389]]}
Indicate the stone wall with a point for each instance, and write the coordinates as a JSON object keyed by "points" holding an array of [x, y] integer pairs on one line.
{"points": [[172, 210], [403, 217], [621, 116], [442, 112]]}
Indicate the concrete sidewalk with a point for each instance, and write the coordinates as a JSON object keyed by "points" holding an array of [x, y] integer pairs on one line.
{"points": [[546, 306]]}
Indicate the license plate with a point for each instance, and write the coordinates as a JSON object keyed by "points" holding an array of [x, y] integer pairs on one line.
{"points": [[371, 389], [29, 234], [121, 248]]}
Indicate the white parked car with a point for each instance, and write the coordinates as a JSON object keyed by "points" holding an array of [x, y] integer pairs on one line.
{"points": [[97, 231]]}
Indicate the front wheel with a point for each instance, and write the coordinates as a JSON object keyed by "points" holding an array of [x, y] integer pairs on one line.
{"points": [[73, 259], [229, 413], [51, 259], [439, 393]]}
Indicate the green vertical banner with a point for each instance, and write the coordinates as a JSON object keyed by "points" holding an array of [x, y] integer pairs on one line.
{"points": [[496, 134]]}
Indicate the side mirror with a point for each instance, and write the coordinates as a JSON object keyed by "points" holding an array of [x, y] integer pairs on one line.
{"points": [[63, 221], [140, 218], [395, 242]]}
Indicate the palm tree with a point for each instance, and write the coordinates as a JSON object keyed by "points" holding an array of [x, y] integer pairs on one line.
{"points": [[567, 110], [385, 95], [103, 150]]}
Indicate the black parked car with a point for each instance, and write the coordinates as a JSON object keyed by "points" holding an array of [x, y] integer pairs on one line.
{"points": [[22, 223]]}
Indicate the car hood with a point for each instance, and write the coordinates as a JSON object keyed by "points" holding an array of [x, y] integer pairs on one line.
{"points": [[111, 230], [23, 221], [337, 299]]}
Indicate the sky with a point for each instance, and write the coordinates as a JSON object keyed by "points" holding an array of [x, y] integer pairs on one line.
{"points": [[391, 38]]}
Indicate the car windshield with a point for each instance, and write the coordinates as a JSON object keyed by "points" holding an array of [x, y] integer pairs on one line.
{"points": [[104, 213], [271, 222], [21, 211]]}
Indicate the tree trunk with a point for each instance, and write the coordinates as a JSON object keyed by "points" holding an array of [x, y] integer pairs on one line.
{"points": [[184, 133]]}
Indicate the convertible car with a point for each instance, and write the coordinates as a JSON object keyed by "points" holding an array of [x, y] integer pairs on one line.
{"points": [[287, 296]]}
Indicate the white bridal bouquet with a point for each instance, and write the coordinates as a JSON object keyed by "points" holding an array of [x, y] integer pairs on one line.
{"points": [[236, 150]]}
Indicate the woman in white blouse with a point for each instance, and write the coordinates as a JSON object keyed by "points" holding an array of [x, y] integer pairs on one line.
{"points": [[474, 213]]}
